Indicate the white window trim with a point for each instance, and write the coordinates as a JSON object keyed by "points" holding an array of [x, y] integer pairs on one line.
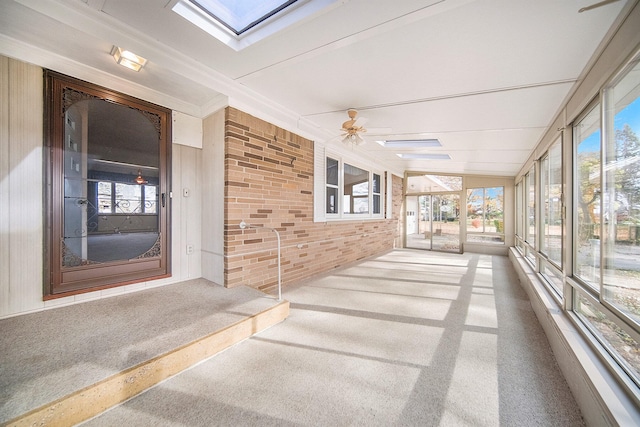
{"points": [[320, 194]]}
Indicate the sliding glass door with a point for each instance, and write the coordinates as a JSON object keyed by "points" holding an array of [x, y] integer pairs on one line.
{"points": [[433, 222]]}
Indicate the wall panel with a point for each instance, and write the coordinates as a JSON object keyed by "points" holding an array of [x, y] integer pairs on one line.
{"points": [[21, 222], [186, 212]]}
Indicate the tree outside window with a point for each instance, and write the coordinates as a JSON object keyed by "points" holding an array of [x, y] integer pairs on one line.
{"points": [[485, 214]]}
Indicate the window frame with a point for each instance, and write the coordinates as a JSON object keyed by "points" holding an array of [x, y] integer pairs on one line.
{"points": [[612, 335], [595, 105], [594, 293], [144, 203], [545, 185], [372, 196], [484, 211]]}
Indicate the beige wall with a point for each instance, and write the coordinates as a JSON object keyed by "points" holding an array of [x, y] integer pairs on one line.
{"points": [[212, 186], [21, 226], [269, 181], [21, 199]]}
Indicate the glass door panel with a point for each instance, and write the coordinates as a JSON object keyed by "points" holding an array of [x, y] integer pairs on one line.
{"points": [[433, 222], [445, 222], [418, 222], [111, 169]]}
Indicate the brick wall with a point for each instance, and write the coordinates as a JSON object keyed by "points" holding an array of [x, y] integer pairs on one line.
{"points": [[269, 182], [397, 211]]}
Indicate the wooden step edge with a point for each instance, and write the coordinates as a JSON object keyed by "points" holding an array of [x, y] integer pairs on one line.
{"points": [[94, 399]]}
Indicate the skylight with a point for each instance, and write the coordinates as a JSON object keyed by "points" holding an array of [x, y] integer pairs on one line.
{"points": [[241, 15], [410, 143], [240, 23], [424, 156]]}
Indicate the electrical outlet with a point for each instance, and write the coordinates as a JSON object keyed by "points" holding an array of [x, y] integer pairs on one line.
{"points": [[189, 249]]}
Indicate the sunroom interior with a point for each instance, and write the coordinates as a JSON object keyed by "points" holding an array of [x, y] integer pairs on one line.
{"points": [[475, 132]]}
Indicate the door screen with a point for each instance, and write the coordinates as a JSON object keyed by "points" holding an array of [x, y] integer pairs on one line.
{"points": [[108, 176]]}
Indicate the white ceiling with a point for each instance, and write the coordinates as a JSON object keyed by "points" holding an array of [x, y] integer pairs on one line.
{"points": [[485, 77]]}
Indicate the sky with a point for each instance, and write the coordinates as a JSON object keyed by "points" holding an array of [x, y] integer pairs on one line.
{"points": [[630, 115]]}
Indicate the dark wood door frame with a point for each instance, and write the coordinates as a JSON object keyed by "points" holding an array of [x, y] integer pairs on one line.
{"points": [[61, 92]]}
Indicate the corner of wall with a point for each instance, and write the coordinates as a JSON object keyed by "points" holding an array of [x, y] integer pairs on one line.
{"points": [[212, 182]]}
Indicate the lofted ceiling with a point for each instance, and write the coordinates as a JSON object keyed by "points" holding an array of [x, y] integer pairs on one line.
{"points": [[485, 77]]}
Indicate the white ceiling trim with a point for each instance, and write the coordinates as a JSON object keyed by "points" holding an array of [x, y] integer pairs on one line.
{"points": [[43, 58]]}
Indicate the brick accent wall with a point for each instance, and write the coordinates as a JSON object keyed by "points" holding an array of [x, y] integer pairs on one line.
{"points": [[397, 212], [269, 182]]}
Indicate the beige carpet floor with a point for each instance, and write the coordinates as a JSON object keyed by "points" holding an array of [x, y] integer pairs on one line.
{"points": [[409, 338]]}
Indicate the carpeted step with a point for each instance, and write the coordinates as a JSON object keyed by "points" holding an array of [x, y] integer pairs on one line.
{"points": [[92, 400]]}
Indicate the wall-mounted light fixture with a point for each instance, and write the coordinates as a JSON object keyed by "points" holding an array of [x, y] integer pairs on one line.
{"points": [[128, 59]]}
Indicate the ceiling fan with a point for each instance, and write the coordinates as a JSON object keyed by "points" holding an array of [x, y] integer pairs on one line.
{"points": [[352, 128]]}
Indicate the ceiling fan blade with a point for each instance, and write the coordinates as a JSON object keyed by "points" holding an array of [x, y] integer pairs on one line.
{"points": [[596, 5], [360, 121]]}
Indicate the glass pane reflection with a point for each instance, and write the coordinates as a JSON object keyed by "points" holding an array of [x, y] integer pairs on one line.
{"points": [[111, 164]]}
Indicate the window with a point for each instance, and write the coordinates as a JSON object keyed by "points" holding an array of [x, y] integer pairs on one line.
{"points": [[616, 337], [418, 183], [355, 190], [332, 188], [377, 188], [530, 209], [551, 216], [551, 186], [620, 216], [351, 190], [519, 210], [607, 214], [586, 132], [108, 180], [601, 283], [117, 197], [485, 215]]}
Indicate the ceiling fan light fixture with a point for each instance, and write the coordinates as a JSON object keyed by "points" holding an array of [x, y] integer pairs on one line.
{"points": [[352, 128], [353, 138]]}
